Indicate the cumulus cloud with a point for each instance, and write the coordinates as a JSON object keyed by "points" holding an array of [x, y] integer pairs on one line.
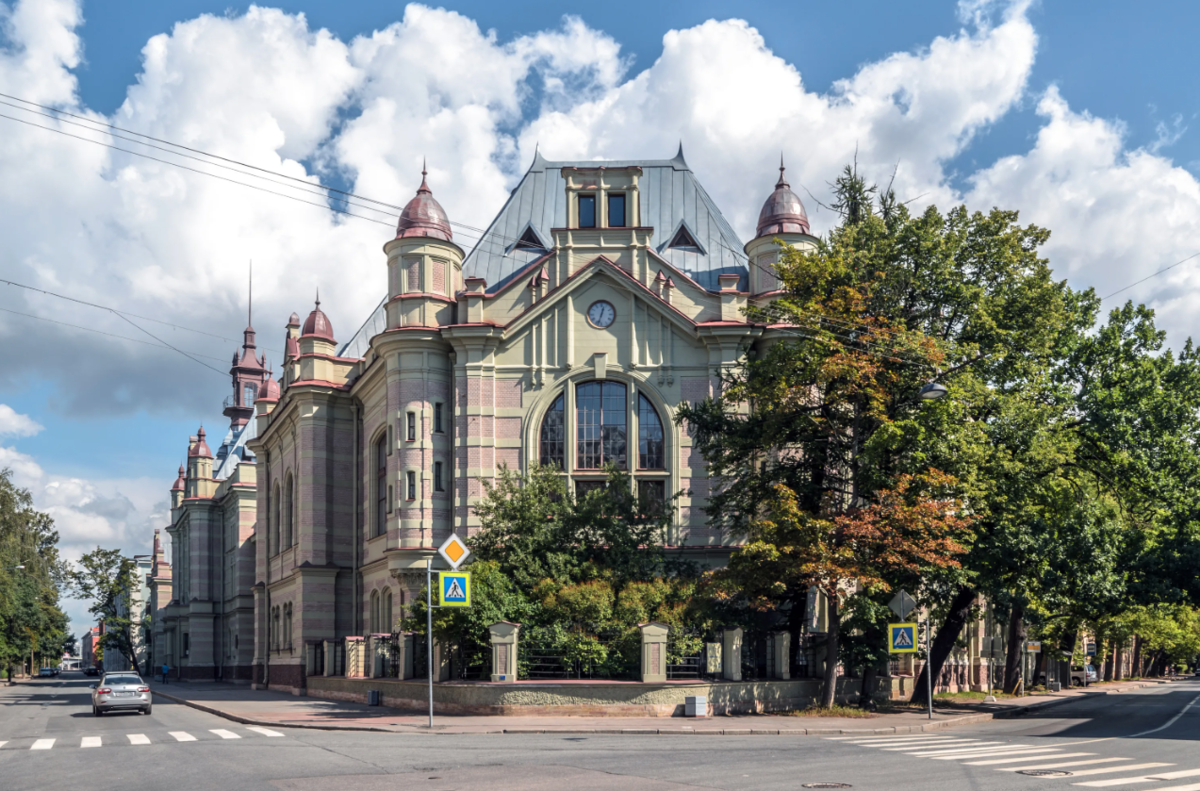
{"points": [[14, 424]]}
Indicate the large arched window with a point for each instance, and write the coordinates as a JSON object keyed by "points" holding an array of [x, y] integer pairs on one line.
{"points": [[385, 608], [373, 627], [602, 434], [289, 513], [600, 425], [650, 436], [554, 437]]}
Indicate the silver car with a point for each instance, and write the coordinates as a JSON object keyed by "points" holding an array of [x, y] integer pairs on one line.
{"points": [[117, 691]]}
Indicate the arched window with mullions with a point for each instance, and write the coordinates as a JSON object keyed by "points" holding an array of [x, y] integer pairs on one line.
{"points": [[554, 435], [650, 436], [601, 425]]}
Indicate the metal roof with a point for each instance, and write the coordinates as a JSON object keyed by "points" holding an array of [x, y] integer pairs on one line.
{"points": [[670, 198], [233, 450]]}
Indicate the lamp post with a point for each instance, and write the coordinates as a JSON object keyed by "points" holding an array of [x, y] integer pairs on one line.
{"points": [[932, 391]]}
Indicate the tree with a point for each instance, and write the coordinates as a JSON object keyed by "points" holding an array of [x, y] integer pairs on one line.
{"points": [[887, 302], [108, 579], [31, 620]]}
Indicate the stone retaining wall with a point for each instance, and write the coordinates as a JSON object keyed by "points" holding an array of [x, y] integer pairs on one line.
{"points": [[586, 699]]}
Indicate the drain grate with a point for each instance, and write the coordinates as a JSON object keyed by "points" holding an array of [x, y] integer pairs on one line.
{"points": [[1044, 773], [826, 785]]}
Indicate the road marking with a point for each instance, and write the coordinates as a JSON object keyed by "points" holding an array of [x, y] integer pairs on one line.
{"points": [[912, 742], [1170, 722], [1028, 759], [892, 738], [1025, 767], [42, 744], [1189, 787], [982, 747], [138, 738], [264, 731], [183, 736], [1177, 775], [1110, 769], [1033, 751], [90, 741], [915, 748], [1119, 781], [224, 734]]}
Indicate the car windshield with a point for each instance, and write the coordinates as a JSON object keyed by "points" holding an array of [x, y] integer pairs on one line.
{"points": [[122, 680]]}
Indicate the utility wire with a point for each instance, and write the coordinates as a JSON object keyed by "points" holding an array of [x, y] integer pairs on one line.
{"points": [[100, 332], [124, 312], [1147, 277]]}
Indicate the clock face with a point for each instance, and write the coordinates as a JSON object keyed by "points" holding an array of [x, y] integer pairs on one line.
{"points": [[601, 314]]}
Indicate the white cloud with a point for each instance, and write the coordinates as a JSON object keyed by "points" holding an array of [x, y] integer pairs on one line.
{"points": [[14, 424]]}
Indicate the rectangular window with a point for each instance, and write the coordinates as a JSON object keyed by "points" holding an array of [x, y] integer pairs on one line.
{"points": [[381, 488], [412, 485], [437, 477], [412, 426], [587, 211], [583, 487], [616, 210], [437, 419], [652, 495], [390, 440], [391, 503]]}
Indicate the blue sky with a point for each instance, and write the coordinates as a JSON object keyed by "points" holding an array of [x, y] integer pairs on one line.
{"points": [[1078, 114]]}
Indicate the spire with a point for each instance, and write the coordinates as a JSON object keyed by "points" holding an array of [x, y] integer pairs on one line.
{"points": [[250, 297], [782, 212], [424, 188], [782, 180]]}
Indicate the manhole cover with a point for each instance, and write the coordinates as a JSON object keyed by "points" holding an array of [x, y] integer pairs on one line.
{"points": [[1044, 773], [827, 785]]}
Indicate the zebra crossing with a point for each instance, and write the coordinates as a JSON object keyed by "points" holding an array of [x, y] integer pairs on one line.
{"points": [[1076, 768], [133, 739]]}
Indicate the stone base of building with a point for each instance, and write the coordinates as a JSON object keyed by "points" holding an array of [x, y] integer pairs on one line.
{"points": [[587, 698]]}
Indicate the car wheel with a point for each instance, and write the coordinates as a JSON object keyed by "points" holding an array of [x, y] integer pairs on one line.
{"points": [[146, 710], [96, 712]]}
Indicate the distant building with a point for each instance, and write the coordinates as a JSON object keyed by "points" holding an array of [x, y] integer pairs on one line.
{"points": [[88, 643], [602, 296]]}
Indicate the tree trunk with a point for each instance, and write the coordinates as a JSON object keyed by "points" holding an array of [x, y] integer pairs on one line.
{"points": [[1039, 667], [795, 622], [867, 696], [1136, 669], [1016, 641], [829, 693], [1110, 660], [1064, 665], [943, 641]]}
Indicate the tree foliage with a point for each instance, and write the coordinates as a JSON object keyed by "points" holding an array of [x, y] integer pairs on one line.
{"points": [[107, 579]]}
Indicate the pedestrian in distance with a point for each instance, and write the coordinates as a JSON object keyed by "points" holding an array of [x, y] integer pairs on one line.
{"points": [[166, 669]]}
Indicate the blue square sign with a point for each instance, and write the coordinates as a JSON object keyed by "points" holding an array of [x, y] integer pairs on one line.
{"points": [[456, 589]]}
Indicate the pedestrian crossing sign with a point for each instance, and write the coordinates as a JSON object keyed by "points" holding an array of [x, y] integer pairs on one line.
{"points": [[902, 638], [456, 589]]}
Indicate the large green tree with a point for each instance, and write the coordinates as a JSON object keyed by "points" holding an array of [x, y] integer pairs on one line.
{"points": [[108, 580], [32, 624]]}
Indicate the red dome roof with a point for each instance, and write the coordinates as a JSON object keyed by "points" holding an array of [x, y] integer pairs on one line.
{"points": [[201, 447], [293, 320], [269, 389], [424, 216], [783, 212], [175, 487], [318, 324]]}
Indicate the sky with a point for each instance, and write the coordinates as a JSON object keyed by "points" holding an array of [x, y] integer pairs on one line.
{"points": [[1076, 114]]}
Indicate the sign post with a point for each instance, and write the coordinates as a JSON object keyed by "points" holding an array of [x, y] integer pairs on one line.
{"points": [[455, 592]]}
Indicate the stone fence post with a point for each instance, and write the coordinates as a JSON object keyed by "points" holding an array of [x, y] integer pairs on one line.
{"points": [[781, 655], [654, 652], [504, 650], [731, 654]]}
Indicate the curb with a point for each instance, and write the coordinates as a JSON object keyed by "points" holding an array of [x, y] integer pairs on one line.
{"points": [[965, 719]]}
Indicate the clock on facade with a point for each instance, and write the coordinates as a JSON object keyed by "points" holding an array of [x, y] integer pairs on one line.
{"points": [[601, 314]]}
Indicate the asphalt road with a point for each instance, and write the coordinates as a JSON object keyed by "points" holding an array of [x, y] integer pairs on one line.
{"points": [[1139, 740]]}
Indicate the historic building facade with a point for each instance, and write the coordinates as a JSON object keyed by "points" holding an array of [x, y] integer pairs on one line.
{"points": [[602, 296]]}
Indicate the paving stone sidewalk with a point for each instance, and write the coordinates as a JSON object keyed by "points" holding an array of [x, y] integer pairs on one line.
{"points": [[261, 707]]}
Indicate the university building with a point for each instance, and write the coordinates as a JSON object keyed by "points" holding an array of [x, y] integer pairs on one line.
{"points": [[602, 296]]}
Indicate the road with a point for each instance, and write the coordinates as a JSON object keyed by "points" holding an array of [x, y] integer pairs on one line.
{"points": [[1145, 739]]}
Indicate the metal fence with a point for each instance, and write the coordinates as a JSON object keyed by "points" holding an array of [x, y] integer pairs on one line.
{"points": [[612, 659]]}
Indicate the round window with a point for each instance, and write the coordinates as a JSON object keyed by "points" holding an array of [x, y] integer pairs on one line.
{"points": [[601, 314]]}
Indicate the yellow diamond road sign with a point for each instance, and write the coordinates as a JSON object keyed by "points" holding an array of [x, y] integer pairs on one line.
{"points": [[454, 550]]}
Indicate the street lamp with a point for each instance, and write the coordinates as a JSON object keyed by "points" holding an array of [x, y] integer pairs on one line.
{"points": [[10, 568], [932, 392]]}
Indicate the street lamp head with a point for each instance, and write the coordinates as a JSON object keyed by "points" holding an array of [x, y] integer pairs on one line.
{"points": [[19, 567], [932, 392]]}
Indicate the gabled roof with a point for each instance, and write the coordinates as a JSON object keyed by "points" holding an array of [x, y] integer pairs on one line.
{"points": [[671, 198], [669, 194]]}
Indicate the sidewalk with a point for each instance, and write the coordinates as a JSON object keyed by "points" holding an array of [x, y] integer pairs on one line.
{"points": [[261, 707]]}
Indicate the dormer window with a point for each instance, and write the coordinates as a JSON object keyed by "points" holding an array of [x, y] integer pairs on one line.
{"points": [[616, 210], [248, 393], [587, 211]]}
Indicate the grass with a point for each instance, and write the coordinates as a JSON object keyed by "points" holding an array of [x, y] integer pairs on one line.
{"points": [[967, 695], [853, 712]]}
